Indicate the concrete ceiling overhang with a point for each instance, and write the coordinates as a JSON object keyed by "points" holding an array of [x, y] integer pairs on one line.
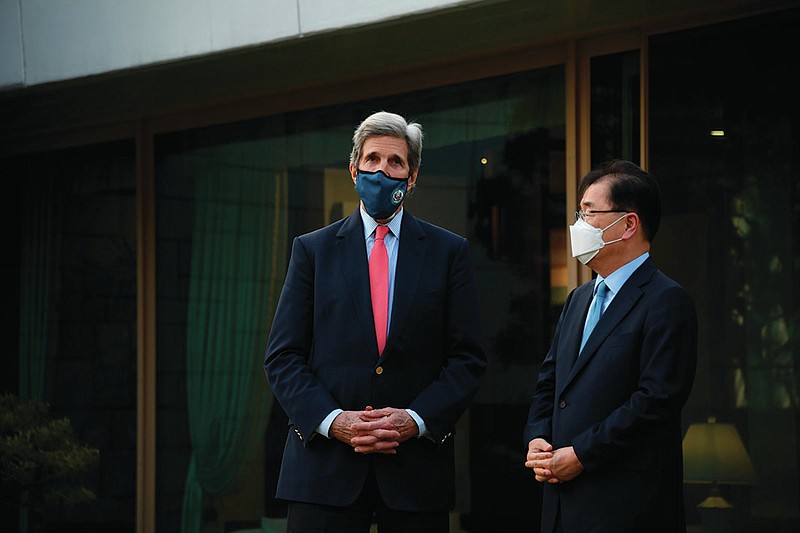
{"points": [[329, 67]]}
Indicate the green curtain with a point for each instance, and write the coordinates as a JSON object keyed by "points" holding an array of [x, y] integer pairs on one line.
{"points": [[39, 259], [237, 268]]}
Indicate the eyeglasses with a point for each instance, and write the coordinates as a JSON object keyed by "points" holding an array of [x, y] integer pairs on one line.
{"points": [[583, 214]]}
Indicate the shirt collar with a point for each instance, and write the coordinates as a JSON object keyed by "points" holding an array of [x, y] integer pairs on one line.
{"points": [[617, 279], [370, 224]]}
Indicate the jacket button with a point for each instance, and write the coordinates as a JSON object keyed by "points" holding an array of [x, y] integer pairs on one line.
{"points": [[379, 370], [562, 404]]}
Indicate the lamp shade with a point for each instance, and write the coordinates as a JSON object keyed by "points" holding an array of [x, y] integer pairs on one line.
{"points": [[714, 453]]}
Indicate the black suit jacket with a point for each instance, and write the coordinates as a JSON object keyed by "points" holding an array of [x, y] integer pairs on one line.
{"points": [[619, 405], [322, 354]]}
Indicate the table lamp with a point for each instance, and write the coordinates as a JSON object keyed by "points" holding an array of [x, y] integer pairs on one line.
{"points": [[714, 454]]}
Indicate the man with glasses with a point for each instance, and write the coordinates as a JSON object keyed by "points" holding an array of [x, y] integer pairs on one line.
{"points": [[604, 427]]}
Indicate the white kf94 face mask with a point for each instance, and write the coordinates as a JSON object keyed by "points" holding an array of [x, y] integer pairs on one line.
{"points": [[587, 240]]}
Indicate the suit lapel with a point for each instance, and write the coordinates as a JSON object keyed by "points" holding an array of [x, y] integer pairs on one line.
{"points": [[568, 353], [622, 304], [410, 260], [355, 269]]}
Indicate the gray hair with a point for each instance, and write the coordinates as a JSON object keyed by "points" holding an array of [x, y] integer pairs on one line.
{"points": [[384, 123]]}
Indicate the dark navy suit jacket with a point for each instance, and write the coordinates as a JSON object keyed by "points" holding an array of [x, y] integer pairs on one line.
{"points": [[322, 355], [619, 405]]}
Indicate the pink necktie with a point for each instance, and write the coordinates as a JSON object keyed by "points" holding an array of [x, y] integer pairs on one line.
{"points": [[379, 285]]}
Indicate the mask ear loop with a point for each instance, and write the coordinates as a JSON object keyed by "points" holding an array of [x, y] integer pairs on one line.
{"points": [[604, 229], [620, 218]]}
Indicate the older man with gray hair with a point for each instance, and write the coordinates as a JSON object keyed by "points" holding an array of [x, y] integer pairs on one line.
{"points": [[375, 352]]}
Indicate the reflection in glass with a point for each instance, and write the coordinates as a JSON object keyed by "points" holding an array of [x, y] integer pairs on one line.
{"points": [[73, 224], [729, 234], [615, 107]]}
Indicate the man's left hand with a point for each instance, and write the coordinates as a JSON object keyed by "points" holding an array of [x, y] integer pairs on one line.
{"points": [[564, 464], [382, 430]]}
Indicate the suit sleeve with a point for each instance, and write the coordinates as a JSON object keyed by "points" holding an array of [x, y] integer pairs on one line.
{"points": [[302, 396], [540, 414], [445, 399], [667, 364]]}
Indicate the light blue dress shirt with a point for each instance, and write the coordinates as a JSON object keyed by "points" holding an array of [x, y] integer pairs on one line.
{"points": [[617, 279], [392, 242]]}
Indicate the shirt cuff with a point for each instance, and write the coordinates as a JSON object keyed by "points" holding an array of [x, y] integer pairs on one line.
{"points": [[325, 426], [423, 431]]}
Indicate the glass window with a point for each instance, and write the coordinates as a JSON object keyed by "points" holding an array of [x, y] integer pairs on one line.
{"points": [[229, 201], [615, 107], [221, 254], [724, 144], [74, 285]]}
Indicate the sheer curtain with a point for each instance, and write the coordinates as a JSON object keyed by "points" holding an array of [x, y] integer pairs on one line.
{"points": [[237, 268], [39, 260]]}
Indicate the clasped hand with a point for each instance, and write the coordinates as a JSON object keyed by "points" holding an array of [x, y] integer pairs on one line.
{"points": [[552, 466], [374, 430]]}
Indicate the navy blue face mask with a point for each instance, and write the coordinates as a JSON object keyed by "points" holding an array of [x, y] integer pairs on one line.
{"points": [[380, 193]]}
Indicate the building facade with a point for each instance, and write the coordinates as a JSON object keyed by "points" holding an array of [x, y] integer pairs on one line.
{"points": [[152, 208]]}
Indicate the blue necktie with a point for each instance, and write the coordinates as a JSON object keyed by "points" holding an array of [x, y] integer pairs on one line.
{"points": [[595, 310]]}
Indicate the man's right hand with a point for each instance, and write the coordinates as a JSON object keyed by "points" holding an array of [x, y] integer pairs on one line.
{"points": [[539, 451], [384, 440]]}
